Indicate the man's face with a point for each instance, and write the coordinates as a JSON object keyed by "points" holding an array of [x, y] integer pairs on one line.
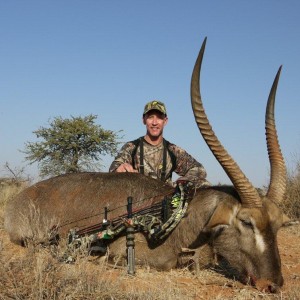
{"points": [[155, 122]]}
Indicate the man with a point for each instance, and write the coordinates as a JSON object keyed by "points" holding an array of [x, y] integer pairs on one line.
{"points": [[153, 156]]}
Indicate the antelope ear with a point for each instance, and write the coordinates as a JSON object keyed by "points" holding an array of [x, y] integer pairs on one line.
{"points": [[276, 214], [287, 221], [222, 216]]}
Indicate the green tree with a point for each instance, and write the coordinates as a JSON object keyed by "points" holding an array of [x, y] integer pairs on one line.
{"points": [[70, 146]]}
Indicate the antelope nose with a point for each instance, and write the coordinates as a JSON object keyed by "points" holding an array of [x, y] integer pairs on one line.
{"points": [[268, 286]]}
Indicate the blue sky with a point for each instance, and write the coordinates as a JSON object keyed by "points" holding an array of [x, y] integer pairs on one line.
{"points": [[63, 58]]}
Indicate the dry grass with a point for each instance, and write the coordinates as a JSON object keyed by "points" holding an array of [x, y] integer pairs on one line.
{"points": [[291, 205], [34, 227], [9, 188], [37, 273]]}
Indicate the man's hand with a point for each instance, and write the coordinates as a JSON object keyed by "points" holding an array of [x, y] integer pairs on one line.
{"points": [[126, 168]]}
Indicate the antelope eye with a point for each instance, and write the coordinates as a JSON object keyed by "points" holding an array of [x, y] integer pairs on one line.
{"points": [[247, 223]]}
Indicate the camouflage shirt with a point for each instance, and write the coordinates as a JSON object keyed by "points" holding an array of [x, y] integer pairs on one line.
{"points": [[186, 165]]}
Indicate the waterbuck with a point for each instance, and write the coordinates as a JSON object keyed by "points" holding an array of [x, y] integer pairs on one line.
{"points": [[237, 223]]}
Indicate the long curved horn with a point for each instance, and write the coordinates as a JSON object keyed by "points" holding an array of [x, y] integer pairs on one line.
{"points": [[248, 194], [277, 184]]}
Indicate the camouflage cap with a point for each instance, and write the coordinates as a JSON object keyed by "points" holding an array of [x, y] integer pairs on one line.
{"points": [[155, 105]]}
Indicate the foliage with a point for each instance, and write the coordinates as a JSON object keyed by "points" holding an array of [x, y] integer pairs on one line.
{"points": [[71, 145]]}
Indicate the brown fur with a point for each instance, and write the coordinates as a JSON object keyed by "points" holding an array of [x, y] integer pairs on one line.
{"points": [[78, 200]]}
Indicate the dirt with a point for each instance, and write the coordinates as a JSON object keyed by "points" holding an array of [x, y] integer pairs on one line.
{"points": [[205, 285]]}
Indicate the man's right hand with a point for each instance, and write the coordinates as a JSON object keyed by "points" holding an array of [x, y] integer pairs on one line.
{"points": [[126, 167]]}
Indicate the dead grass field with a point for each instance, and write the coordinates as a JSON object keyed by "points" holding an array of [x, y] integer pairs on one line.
{"points": [[36, 273]]}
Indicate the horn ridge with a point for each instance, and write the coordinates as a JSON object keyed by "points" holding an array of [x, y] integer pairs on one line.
{"points": [[248, 194], [277, 186]]}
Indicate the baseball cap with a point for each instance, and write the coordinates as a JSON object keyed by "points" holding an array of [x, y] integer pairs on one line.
{"points": [[155, 105]]}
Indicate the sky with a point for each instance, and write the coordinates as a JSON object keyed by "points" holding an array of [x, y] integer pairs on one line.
{"points": [[108, 58]]}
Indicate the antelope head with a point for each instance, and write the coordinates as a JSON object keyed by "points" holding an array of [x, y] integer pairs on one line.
{"points": [[252, 223]]}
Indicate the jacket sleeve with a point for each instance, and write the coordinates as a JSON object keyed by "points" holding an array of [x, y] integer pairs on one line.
{"points": [[124, 156], [188, 168]]}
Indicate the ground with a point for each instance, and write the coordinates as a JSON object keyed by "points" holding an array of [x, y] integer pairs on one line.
{"points": [[146, 284]]}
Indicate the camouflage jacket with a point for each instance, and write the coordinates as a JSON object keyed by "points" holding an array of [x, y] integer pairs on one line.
{"points": [[186, 166]]}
